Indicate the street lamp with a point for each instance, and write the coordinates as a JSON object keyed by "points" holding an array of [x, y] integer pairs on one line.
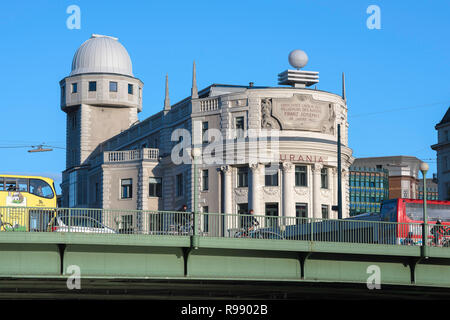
{"points": [[39, 148], [195, 153], [424, 168]]}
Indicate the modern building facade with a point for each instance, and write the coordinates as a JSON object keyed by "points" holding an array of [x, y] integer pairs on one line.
{"points": [[270, 149], [432, 189], [368, 188], [442, 149], [403, 173]]}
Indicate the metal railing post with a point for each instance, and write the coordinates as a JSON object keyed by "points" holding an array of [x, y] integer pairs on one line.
{"points": [[69, 220]]}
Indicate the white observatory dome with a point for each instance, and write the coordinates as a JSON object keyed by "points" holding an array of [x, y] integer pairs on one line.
{"points": [[101, 54]]}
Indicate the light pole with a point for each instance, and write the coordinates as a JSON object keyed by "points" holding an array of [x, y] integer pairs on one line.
{"points": [[195, 153], [424, 168], [339, 168]]}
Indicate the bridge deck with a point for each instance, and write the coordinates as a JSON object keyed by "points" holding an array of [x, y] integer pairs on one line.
{"points": [[121, 257]]}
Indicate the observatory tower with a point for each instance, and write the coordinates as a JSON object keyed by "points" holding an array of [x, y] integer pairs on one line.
{"points": [[101, 98]]}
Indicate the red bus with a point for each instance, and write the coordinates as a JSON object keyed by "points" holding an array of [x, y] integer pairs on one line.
{"points": [[408, 213]]}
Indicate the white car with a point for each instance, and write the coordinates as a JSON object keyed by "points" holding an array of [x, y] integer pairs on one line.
{"points": [[78, 224]]}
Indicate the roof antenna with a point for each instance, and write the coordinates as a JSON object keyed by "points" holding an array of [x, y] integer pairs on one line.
{"points": [[343, 87], [194, 90]]}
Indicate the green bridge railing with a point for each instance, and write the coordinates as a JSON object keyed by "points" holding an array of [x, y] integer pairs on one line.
{"points": [[175, 223]]}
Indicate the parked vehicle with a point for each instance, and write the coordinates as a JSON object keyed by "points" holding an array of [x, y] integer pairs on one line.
{"points": [[258, 234], [78, 224]]}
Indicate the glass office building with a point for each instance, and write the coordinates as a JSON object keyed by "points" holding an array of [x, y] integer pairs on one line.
{"points": [[368, 188], [432, 189]]}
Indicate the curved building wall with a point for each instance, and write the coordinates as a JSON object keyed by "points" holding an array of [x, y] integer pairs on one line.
{"points": [[305, 124]]}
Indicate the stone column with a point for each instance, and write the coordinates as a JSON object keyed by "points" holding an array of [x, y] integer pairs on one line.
{"points": [[317, 204], [254, 202], [228, 200], [288, 190], [227, 190]]}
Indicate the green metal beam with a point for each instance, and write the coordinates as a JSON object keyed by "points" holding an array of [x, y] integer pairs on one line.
{"points": [[154, 257]]}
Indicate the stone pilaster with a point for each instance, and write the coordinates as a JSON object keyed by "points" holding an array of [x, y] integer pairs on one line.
{"points": [[288, 189], [254, 202], [227, 190], [317, 205]]}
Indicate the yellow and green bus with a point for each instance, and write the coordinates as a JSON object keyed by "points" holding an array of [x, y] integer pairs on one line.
{"points": [[27, 203]]}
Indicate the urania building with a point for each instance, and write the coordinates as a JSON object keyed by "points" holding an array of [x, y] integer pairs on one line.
{"points": [[270, 149]]}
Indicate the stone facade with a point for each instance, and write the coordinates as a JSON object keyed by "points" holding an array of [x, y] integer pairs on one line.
{"points": [[120, 162], [403, 173], [442, 149]]}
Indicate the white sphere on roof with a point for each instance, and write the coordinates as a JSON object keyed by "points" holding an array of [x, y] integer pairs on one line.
{"points": [[298, 58], [101, 54]]}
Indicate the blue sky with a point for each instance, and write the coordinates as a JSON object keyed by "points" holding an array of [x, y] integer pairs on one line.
{"points": [[397, 77]]}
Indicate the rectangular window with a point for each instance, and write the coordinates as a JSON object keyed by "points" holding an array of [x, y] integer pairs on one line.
{"points": [[301, 212], [324, 211], [205, 132], [301, 175], [205, 210], [240, 123], [239, 126], [179, 185], [2, 184], [154, 187], [243, 208], [126, 224], [324, 178], [205, 182], [445, 162], [242, 177], [271, 175], [73, 194], [22, 185], [63, 93], [97, 192], [130, 88], [126, 188], [92, 86], [112, 86], [73, 118], [74, 87], [244, 219], [271, 215]]}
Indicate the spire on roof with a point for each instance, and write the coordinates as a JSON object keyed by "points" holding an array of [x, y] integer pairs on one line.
{"points": [[343, 87], [194, 90], [446, 118], [167, 99]]}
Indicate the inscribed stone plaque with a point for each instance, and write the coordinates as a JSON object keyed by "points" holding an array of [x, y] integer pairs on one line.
{"points": [[302, 112]]}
